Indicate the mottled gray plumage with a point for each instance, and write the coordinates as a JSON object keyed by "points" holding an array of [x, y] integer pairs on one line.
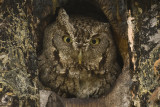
{"points": [[79, 57]]}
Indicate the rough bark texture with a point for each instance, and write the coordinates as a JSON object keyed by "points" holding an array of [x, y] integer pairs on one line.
{"points": [[22, 23], [18, 67], [147, 50]]}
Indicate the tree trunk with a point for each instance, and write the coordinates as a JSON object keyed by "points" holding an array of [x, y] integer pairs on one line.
{"points": [[18, 67], [22, 23], [145, 57]]}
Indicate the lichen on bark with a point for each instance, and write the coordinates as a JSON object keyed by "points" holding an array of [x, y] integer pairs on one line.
{"points": [[147, 46], [17, 54]]}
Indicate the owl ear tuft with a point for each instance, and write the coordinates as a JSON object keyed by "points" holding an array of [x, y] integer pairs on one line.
{"points": [[106, 26], [63, 17]]}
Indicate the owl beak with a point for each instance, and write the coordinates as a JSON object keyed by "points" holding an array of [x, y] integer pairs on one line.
{"points": [[80, 57]]}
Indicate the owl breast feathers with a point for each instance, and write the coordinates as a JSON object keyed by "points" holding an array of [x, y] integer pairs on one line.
{"points": [[79, 57]]}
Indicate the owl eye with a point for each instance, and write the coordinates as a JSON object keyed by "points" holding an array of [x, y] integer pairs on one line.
{"points": [[95, 41], [67, 39]]}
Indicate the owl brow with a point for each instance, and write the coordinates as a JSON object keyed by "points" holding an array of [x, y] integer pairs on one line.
{"points": [[95, 35], [69, 29], [65, 33]]}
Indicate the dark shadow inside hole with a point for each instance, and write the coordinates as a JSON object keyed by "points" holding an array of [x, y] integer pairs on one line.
{"points": [[40, 31], [85, 8]]}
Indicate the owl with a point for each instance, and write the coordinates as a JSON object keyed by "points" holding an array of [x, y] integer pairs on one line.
{"points": [[79, 58]]}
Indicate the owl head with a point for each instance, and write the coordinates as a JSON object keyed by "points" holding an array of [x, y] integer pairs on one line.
{"points": [[79, 57], [81, 42]]}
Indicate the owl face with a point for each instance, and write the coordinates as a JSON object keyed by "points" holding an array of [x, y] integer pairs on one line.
{"points": [[75, 51], [81, 41]]}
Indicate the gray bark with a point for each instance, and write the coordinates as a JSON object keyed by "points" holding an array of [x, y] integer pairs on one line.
{"points": [[18, 68], [146, 54], [21, 33]]}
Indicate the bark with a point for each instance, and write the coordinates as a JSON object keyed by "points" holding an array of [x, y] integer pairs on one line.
{"points": [[18, 68], [146, 50], [22, 23]]}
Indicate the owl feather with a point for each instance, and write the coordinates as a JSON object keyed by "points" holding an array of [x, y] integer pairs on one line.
{"points": [[79, 57]]}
